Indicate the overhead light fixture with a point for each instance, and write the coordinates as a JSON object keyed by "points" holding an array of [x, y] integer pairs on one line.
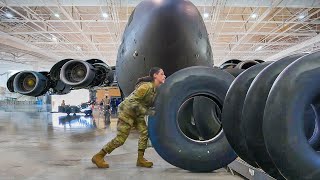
{"points": [[105, 15], [205, 15], [301, 16], [9, 15], [56, 15], [54, 38], [78, 48], [254, 15], [259, 48]]}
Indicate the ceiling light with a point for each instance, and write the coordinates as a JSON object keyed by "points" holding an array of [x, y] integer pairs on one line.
{"points": [[56, 15], [254, 15], [205, 15], [259, 48], [105, 15], [78, 48], [301, 16], [54, 38], [9, 15]]}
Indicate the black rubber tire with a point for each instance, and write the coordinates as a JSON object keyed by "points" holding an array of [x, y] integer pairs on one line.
{"points": [[207, 116], [230, 64], [168, 140], [185, 118], [252, 113], [314, 139], [232, 110], [234, 71], [246, 64], [295, 88]]}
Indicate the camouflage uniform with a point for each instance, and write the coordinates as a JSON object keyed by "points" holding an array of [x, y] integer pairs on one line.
{"points": [[131, 113]]}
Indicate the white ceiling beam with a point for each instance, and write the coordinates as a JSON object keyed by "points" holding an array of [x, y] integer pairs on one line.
{"points": [[111, 44], [20, 44], [220, 34], [243, 52], [125, 21], [73, 43], [295, 48], [66, 14], [63, 21], [255, 43], [77, 51], [257, 22], [26, 18], [133, 3], [215, 52], [280, 37], [266, 33], [59, 32]]}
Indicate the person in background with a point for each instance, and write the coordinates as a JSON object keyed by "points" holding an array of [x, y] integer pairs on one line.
{"points": [[63, 103], [101, 105], [107, 110], [131, 114]]}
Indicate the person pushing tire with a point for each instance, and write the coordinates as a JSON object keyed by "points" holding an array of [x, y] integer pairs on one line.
{"points": [[131, 114]]}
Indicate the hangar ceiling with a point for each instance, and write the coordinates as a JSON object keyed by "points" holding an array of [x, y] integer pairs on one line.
{"points": [[47, 31]]}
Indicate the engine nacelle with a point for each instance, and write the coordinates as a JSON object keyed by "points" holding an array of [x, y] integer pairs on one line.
{"points": [[84, 74], [78, 74], [104, 75], [30, 83], [10, 82], [230, 64], [246, 64]]}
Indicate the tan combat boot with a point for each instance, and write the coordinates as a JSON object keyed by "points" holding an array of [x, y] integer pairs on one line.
{"points": [[98, 159], [142, 162]]}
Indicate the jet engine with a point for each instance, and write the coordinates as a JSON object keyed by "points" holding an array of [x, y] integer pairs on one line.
{"points": [[64, 76], [232, 63], [246, 64], [30, 83], [85, 74]]}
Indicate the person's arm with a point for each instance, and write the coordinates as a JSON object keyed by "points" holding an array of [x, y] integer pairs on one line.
{"points": [[142, 91]]}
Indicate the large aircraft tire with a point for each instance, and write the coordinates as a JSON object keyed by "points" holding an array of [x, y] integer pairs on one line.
{"points": [[252, 113], [293, 91], [232, 110], [314, 138], [167, 138], [207, 116], [234, 71], [185, 119]]}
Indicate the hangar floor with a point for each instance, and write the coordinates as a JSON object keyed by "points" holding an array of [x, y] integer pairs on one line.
{"points": [[41, 145]]}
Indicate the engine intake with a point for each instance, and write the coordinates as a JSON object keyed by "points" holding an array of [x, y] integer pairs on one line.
{"points": [[30, 83], [84, 74], [246, 64], [78, 74]]}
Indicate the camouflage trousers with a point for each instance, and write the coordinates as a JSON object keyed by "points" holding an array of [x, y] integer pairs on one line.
{"points": [[125, 123]]}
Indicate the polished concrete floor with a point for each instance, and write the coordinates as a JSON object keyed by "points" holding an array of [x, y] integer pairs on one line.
{"points": [[40, 145]]}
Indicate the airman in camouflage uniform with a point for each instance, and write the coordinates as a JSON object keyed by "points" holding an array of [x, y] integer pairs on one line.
{"points": [[131, 114]]}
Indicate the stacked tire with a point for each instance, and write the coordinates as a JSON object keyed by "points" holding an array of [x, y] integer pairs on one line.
{"points": [[268, 115]]}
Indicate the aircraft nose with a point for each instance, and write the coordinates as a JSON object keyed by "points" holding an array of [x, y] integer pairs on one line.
{"points": [[173, 30], [173, 20], [169, 34]]}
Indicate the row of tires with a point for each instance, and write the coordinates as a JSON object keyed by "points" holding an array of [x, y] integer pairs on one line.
{"points": [[267, 115]]}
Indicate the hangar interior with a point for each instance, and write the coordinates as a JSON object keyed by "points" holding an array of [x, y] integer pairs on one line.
{"points": [[34, 35]]}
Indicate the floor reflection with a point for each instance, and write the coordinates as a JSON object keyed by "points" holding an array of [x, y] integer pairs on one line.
{"points": [[74, 121]]}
